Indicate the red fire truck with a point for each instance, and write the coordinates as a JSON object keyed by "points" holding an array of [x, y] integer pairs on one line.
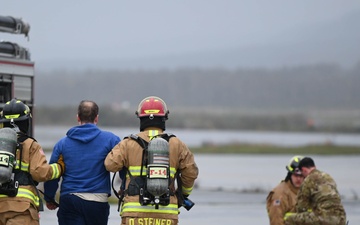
{"points": [[16, 68]]}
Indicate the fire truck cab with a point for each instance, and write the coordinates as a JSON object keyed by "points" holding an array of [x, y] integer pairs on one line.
{"points": [[16, 68]]}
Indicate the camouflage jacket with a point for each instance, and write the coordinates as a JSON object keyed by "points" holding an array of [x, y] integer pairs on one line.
{"points": [[319, 194]]}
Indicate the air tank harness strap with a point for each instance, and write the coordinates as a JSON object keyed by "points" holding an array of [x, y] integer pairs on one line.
{"points": [[134, 186], [137, 182]]}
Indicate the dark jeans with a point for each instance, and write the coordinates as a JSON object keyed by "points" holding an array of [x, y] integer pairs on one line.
{"points": [[76, 211]]}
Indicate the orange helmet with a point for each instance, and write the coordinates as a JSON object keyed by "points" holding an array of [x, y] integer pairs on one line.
{"points": [[152, 106]]}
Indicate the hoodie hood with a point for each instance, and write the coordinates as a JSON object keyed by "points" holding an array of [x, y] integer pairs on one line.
{"points": [[84, 133]]}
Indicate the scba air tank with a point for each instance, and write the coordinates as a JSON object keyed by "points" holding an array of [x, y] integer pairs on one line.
{"points": [[8, 142], [158, 171]]}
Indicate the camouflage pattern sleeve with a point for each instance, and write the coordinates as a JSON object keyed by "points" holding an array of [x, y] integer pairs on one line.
{"points": [[304, 195], [318, 202]]}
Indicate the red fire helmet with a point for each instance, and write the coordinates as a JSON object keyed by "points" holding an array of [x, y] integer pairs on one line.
{"points": [[152, 106]]}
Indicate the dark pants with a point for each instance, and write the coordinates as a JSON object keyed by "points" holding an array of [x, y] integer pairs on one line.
{"points": [[76, 211]]}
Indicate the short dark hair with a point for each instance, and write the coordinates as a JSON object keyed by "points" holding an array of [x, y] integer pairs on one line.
{"points": [[88, 111], [306, 162]]}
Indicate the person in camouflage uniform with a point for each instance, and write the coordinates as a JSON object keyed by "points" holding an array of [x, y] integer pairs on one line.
{"points": [[318, 201]]}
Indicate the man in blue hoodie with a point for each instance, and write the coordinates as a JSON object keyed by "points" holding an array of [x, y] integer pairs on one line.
{"points": [[85, 185]]}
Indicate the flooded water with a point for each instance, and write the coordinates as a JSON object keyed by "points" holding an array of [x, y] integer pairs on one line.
{"points": [[232, 188], [214, 208]]}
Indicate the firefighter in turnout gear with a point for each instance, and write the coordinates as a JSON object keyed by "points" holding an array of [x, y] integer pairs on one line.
{"points": [[139, 206], [22, 207], [282, 198]]}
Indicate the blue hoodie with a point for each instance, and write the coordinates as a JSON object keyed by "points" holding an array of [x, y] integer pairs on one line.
{"points": [[84, 150]]}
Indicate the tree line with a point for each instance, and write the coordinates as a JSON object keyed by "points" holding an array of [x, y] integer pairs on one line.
{"points": [[320, 96]]}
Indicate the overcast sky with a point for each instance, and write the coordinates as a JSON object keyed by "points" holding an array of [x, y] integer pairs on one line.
{"points": [[117, 29]]}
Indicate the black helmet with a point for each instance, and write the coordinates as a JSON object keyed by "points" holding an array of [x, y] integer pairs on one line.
{"points": [[15, 110], [293, 166]]}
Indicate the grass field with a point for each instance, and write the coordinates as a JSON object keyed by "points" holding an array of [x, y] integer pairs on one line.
{"points": [[270, 149]]}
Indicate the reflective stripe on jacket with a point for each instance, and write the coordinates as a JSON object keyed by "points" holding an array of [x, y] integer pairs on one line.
{"points": [[25, 167], [33, 162], [137, 207], [136, 170]]}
